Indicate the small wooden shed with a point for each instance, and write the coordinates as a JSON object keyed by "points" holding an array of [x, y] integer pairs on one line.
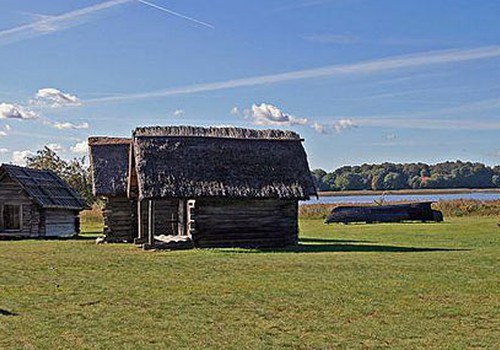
{"points": [[109, 158], [220, 187], [37, 203]]}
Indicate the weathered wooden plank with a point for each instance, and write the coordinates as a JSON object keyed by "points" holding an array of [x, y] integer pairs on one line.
{"points": [[254, 223]]}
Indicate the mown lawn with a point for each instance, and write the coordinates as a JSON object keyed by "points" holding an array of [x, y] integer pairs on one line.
{"points": [[357, 286]]}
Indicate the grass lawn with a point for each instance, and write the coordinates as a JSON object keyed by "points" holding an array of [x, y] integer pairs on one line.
{"points": [[357, 286]]}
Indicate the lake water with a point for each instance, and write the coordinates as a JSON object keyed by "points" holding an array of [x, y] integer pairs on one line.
{"points": [[403, 197]]}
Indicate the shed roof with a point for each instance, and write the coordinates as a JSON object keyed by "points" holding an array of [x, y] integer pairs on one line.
{"points": [[109, 159], [195, 162], [44, 187]]}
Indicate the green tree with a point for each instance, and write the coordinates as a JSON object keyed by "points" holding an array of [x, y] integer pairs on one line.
{"points": [[74, 172], [349, 181], [394, 181], [495, 179]]}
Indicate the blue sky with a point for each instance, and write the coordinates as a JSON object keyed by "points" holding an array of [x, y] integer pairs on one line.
{"points": [[362, 81]]}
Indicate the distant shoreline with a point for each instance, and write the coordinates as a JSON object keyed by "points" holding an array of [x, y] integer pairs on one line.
{"points": [[407, 192]]}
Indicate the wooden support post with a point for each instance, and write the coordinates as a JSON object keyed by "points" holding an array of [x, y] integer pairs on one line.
{"points": [[140, 229], [151, 223], [181, 227]]}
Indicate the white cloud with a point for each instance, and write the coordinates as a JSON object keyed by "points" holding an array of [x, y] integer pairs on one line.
{"points": [[320, 128], [179, 112], [79, 147], [344, 124], [67, 125], [268, 114], [391, 137], [54, 98], [13, 111], [55, 147], [3, 133], [422, 59], [19, 157], [235, 111], [4, 150], [7, 127]]}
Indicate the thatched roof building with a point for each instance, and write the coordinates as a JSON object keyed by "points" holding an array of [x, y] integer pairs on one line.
{"points": [[222, 186], [109, 157], [194, 162], [37, 203]]}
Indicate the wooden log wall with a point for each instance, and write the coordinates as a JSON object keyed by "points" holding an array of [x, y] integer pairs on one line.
{"points": [[245, 223], [120, 219], [60, 223], [11, 193], [165, 214]]}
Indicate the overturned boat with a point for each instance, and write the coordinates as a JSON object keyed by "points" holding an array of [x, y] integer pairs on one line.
{"points": [[420, 211]]}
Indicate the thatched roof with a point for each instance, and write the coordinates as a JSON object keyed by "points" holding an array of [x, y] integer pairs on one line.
{"points": [[194, 162], [44, 187], [109, 157]]}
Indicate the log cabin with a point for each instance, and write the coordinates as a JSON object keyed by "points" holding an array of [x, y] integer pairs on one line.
{"points": [[37, 203], [218, 187]]}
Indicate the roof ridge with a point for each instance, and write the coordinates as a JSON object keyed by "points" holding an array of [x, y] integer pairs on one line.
{"points": [[215, 132]]}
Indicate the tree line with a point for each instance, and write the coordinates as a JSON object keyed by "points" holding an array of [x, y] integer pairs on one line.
{"points": [[391, 176]]}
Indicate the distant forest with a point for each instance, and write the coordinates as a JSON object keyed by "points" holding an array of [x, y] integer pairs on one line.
{"points": [[390, 176]]}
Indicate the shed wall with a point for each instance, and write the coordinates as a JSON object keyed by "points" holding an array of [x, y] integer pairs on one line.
{"points": [[61, 223], [12, 194], [245, 223], [166, 214], [119, 219]]}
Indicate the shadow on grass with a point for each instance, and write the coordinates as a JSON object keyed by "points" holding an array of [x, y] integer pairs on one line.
{"points": [[329, 240], [324, 248], [86, 237], [4, 312]]}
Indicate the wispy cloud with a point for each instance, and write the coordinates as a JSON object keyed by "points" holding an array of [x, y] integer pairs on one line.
{"points": [[56, 147], [5, 130], [179, 112], [68, 125], [235, 111], [50, 24], [177, 14], [79, 147], [302, 4], [368, 67], [344, 124], [428, 124], [332, 38], [320, 128], [45, 25]]}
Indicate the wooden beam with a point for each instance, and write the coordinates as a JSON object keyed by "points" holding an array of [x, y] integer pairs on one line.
{"points": [[140, 230], [151, 223], [181, 227]]}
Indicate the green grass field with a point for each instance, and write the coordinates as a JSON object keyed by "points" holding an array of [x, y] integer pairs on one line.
{"points": [[358, 286]]}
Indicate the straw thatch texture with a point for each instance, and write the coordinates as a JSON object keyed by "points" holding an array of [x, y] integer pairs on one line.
{"points": [[218, 132], [109, 159], [44, 187], [194, 162]]}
